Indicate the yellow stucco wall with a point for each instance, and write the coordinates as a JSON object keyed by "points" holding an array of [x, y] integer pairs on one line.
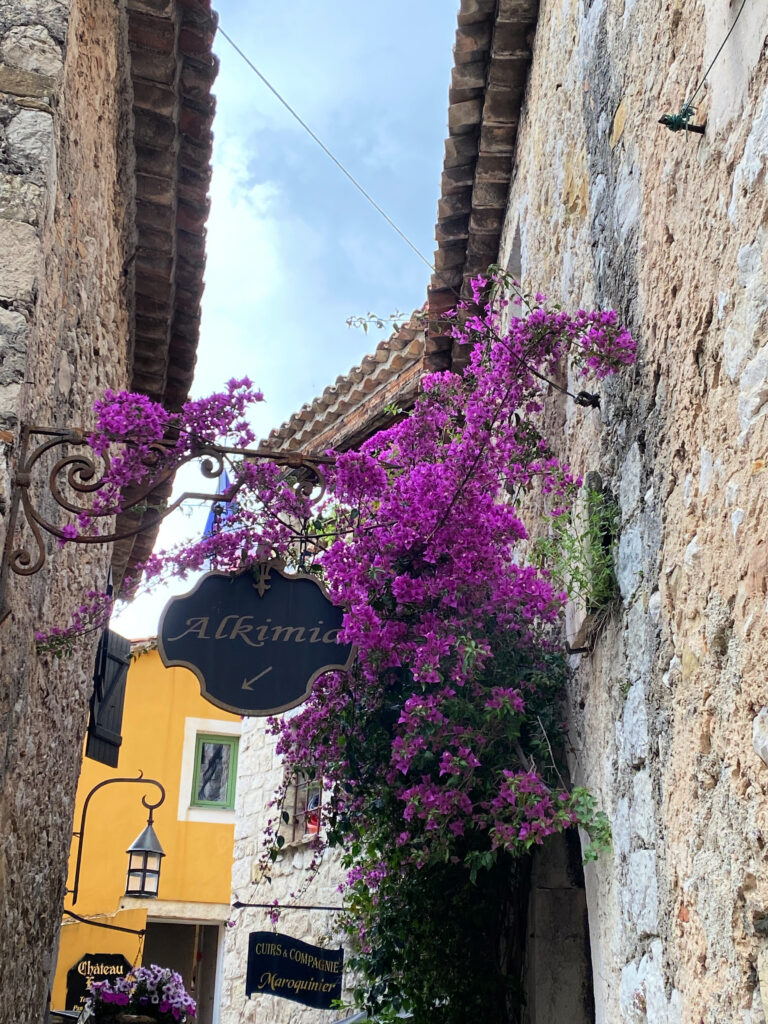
{"points": [[196, 869]]}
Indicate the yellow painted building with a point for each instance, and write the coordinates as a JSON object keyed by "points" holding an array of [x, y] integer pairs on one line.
{"points": [[170, 734]]}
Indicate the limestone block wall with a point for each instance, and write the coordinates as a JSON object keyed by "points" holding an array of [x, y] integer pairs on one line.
{"points": [[260, 773], [66, 215], [666, 715]]}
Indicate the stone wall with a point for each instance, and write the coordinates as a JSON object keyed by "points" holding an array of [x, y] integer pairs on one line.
{"points": [[260, 774], [666, 712], [66, 215]]}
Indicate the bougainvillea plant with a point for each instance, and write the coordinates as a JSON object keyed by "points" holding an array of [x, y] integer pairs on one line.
{"points": [[152, 992], [438, 750]]}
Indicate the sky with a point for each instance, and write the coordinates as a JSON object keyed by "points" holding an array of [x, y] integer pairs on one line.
{"points": [[293, 249]]}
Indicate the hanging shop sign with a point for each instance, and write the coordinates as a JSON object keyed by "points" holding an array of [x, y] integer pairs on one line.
{"points": [[256, 641], [92, 967], [279, 965]]}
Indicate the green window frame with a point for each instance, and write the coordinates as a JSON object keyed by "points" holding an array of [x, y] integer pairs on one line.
{"points": [[212, 763]]}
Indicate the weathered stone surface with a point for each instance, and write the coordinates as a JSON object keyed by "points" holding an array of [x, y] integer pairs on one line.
{"points": [[630, 559], [14, 333], [32, 48], [681, 442], [30, 142], [19, 261], [21, 199], [18, 82], [642, 816], [64, 329], [53, 15], [260, 773]]}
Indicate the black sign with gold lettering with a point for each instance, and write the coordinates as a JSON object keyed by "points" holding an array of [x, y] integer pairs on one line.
{"points": [[279, 965], [256, 641], [92, 967]]}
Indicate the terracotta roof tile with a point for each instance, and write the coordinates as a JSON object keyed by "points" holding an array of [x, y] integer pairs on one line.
{"points": [[492, 56], [172, 69], [355, 406]]}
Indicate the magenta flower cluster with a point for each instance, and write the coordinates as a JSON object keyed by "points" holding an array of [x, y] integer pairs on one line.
{"points": [[427, 563], [420, 746], [89, 616], [155, 992], [141, 442]]}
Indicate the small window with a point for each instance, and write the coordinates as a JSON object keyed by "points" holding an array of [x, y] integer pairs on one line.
{"points": [[303, 810], [215, 771]]}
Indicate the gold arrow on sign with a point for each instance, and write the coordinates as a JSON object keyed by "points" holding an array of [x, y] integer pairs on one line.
{"points": [[248, 683]]}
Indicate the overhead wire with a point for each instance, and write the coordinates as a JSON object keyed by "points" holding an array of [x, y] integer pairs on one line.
{"points": [[682, 121], [584, 398], [719, 51], [296, 116]]}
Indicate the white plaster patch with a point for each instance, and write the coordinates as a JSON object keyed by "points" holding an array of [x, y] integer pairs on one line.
{"points": [[632, 993], [597, 191], [705, 472], [638, 652], [64, 375], [692, 552], [628, 7], [753, 392], [673, 670], [620, 829], [731, 494], [630, 560], [748, 262], [688, 490], [632, 730], [631, 480], [675, 1008], [641, 896], [751, 164], [760, 735], [627, 203], [737, 518], [641, 818]]}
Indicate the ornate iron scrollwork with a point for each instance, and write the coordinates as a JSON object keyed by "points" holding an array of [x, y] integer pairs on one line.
{"points": [[81, 473]]}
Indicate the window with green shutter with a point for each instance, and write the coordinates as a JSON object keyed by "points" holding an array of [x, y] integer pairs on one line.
{"points": [[213, 784]]}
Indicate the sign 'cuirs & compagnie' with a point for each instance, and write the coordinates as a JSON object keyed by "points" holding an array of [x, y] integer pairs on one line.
{"points": [[279, 965], [256, 641]]}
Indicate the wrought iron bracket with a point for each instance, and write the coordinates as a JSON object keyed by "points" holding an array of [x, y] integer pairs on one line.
{"points": [[80, 833], [79, 471]]}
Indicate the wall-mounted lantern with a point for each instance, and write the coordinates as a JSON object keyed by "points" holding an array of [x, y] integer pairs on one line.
{"points": [[144, 857]]}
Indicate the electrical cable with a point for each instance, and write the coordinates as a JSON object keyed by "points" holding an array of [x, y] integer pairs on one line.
{"points": [[719, 51], [681, 122], [583, 398], [325, 149]]}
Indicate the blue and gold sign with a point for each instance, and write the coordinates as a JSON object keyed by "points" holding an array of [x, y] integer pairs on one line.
{"points": [[256, 641], [279, 965]]}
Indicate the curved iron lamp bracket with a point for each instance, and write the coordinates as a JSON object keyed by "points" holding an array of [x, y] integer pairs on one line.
{"points": [[80, 834], [78, 473]]}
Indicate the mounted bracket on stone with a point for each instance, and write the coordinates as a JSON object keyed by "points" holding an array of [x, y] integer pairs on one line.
{"points": [[67, 471]]}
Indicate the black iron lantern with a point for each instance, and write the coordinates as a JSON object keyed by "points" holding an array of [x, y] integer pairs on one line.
{"points": [[144, 857]]}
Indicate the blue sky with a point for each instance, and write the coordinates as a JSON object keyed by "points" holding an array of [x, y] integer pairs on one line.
{"points": [[293, 249]]}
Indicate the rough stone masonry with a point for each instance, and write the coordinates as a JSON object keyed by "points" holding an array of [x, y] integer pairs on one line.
{"points": [[65, 294], [667, 713]]}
